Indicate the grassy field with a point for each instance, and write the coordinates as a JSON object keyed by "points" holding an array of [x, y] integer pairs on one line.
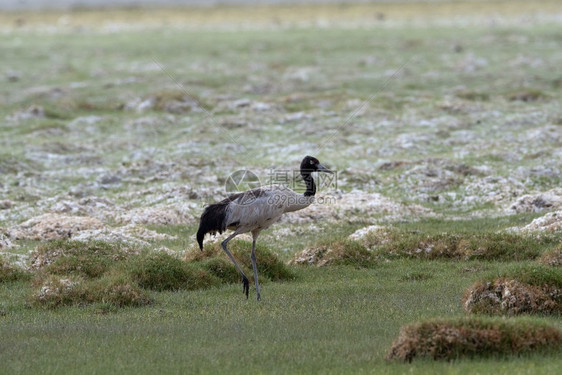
{"points": [[330, 320], [439, 119]]}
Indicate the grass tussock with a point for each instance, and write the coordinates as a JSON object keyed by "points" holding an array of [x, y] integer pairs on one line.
{"points": [[173, 101], [530, 95], [346, 252], [215, 260], [366, 249], [80, 273], [462, 246], [552, 257], [86, 259], [474, 337], [534, 274], [118, 290], [12, 164], [474, 96], [222, 268], [162, 271], [55, 291], [520, 290], [10, 272]]}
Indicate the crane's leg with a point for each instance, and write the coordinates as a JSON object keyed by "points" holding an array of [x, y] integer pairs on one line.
{"points": [[245, 282], [254, 266]]}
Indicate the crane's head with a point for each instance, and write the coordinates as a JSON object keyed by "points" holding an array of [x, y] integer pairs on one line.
{"points": [[310, 164]]}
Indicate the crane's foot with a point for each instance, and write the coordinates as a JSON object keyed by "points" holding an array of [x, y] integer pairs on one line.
{"points": [[259, 297], [245, 286]]}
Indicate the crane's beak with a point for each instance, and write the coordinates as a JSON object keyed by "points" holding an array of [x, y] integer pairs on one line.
{"points": [[321, 168]]}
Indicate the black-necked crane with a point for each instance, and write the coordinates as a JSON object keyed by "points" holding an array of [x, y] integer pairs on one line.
{"points": [[255, 210]]}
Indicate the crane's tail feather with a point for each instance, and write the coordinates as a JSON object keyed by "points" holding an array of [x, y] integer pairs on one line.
{"points": [[212, 220]]}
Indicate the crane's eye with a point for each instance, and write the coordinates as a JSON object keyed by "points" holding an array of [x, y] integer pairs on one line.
{"points": [[312, 162]]}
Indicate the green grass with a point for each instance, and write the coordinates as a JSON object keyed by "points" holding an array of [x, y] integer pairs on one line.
{"points": [[475, 101], [333, 319], [339, 318]]}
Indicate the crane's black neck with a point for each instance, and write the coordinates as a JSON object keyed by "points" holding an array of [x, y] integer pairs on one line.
{"points": [[309, 181]]}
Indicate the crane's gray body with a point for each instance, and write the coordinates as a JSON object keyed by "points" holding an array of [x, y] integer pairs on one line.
{"points": [[255, 210]]}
